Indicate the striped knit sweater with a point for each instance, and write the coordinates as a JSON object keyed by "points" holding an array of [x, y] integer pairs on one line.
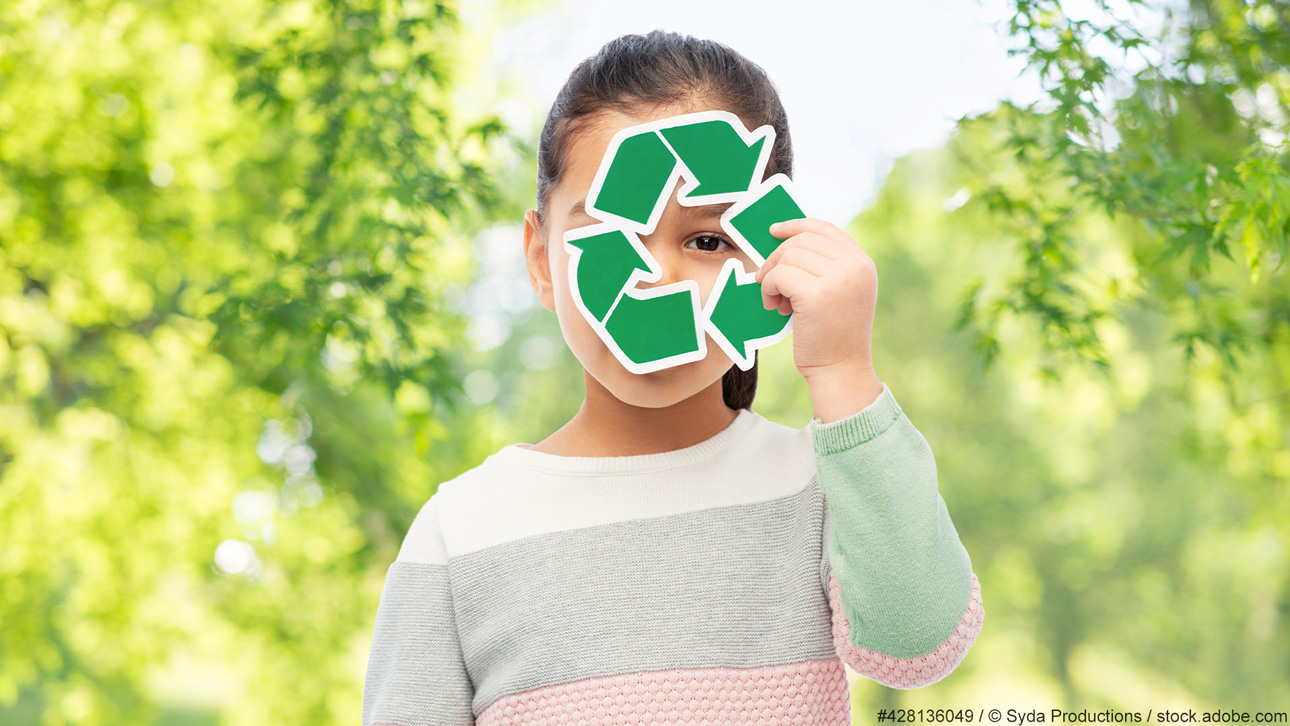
{"points": [[722, 583]]}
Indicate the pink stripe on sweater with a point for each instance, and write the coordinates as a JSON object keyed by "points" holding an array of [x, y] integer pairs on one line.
{"points": [[906, 672], [809, 693]]}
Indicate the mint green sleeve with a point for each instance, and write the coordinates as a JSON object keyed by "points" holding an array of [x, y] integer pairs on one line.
{"points": [[906, 603]]}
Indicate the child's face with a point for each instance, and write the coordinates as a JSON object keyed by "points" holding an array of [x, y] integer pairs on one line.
{"points": [[688, 244]]}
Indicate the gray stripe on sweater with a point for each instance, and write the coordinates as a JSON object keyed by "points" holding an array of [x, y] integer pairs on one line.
{"points": [[415, 672], [734, 586]]}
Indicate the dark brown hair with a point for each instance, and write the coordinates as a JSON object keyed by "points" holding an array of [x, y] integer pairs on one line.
{"points": [[669, 70]]}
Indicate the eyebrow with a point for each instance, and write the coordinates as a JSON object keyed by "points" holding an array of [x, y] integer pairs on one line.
{"points": [[706, 211]]}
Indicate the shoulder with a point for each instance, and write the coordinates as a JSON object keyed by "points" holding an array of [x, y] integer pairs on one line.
{"points": [[776, 446], [768, 460], [425, 542]]}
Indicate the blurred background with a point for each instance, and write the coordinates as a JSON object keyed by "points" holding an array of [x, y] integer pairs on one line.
{"points": [[262, 289]]}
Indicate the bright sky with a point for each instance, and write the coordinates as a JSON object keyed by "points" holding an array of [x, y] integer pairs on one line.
{"points": [[863, 82]]}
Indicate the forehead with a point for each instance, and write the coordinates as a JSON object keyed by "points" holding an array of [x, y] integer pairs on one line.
{"points": [[589, 138]]}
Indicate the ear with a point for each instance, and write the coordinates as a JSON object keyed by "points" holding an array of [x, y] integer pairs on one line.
{"points": [[537, 259]]}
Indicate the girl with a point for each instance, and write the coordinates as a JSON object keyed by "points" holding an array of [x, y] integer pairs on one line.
{"points": [[669, 556]]}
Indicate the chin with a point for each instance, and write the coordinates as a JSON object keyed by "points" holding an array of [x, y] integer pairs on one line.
{"points": [[657, 389]]}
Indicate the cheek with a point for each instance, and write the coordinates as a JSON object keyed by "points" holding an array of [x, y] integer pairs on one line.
{"points": [[564, 305], [578, 333]]}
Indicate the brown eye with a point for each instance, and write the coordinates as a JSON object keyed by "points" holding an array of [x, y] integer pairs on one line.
{"points": [[710, 243]]}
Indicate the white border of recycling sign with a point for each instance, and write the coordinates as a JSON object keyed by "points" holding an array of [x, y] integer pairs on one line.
{"points": [[661, 327]]}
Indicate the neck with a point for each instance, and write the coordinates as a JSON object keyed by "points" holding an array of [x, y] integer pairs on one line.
{"points": [[606, 426]]}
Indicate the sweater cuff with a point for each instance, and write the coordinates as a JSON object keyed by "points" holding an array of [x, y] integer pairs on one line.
{"points": [[859, 427]]}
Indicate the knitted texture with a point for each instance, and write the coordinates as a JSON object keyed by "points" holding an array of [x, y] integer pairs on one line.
{"points": [[905, 577], [726, 582], [906, 672], [813, 693]]}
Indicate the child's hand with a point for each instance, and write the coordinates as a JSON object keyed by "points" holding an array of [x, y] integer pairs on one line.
{"points": [[822, 276]]}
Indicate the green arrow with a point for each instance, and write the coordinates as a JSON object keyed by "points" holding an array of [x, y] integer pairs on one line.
{"points": [[604, 268], [637, 178], [740, 316], [715, 153], [654, 328], [754, 221]]}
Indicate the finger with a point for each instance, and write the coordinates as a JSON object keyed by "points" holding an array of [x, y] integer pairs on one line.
{"points": [[830, 247], [792, 227], [809, 241], [783, 304], [807, 258], [786, 281]]}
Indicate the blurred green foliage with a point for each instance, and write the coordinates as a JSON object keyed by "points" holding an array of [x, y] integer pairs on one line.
{"points": [[238, 241], [230, 239], [1185, 129]]}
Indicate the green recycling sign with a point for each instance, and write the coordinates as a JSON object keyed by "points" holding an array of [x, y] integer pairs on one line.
{"points": [[661, 327]]}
